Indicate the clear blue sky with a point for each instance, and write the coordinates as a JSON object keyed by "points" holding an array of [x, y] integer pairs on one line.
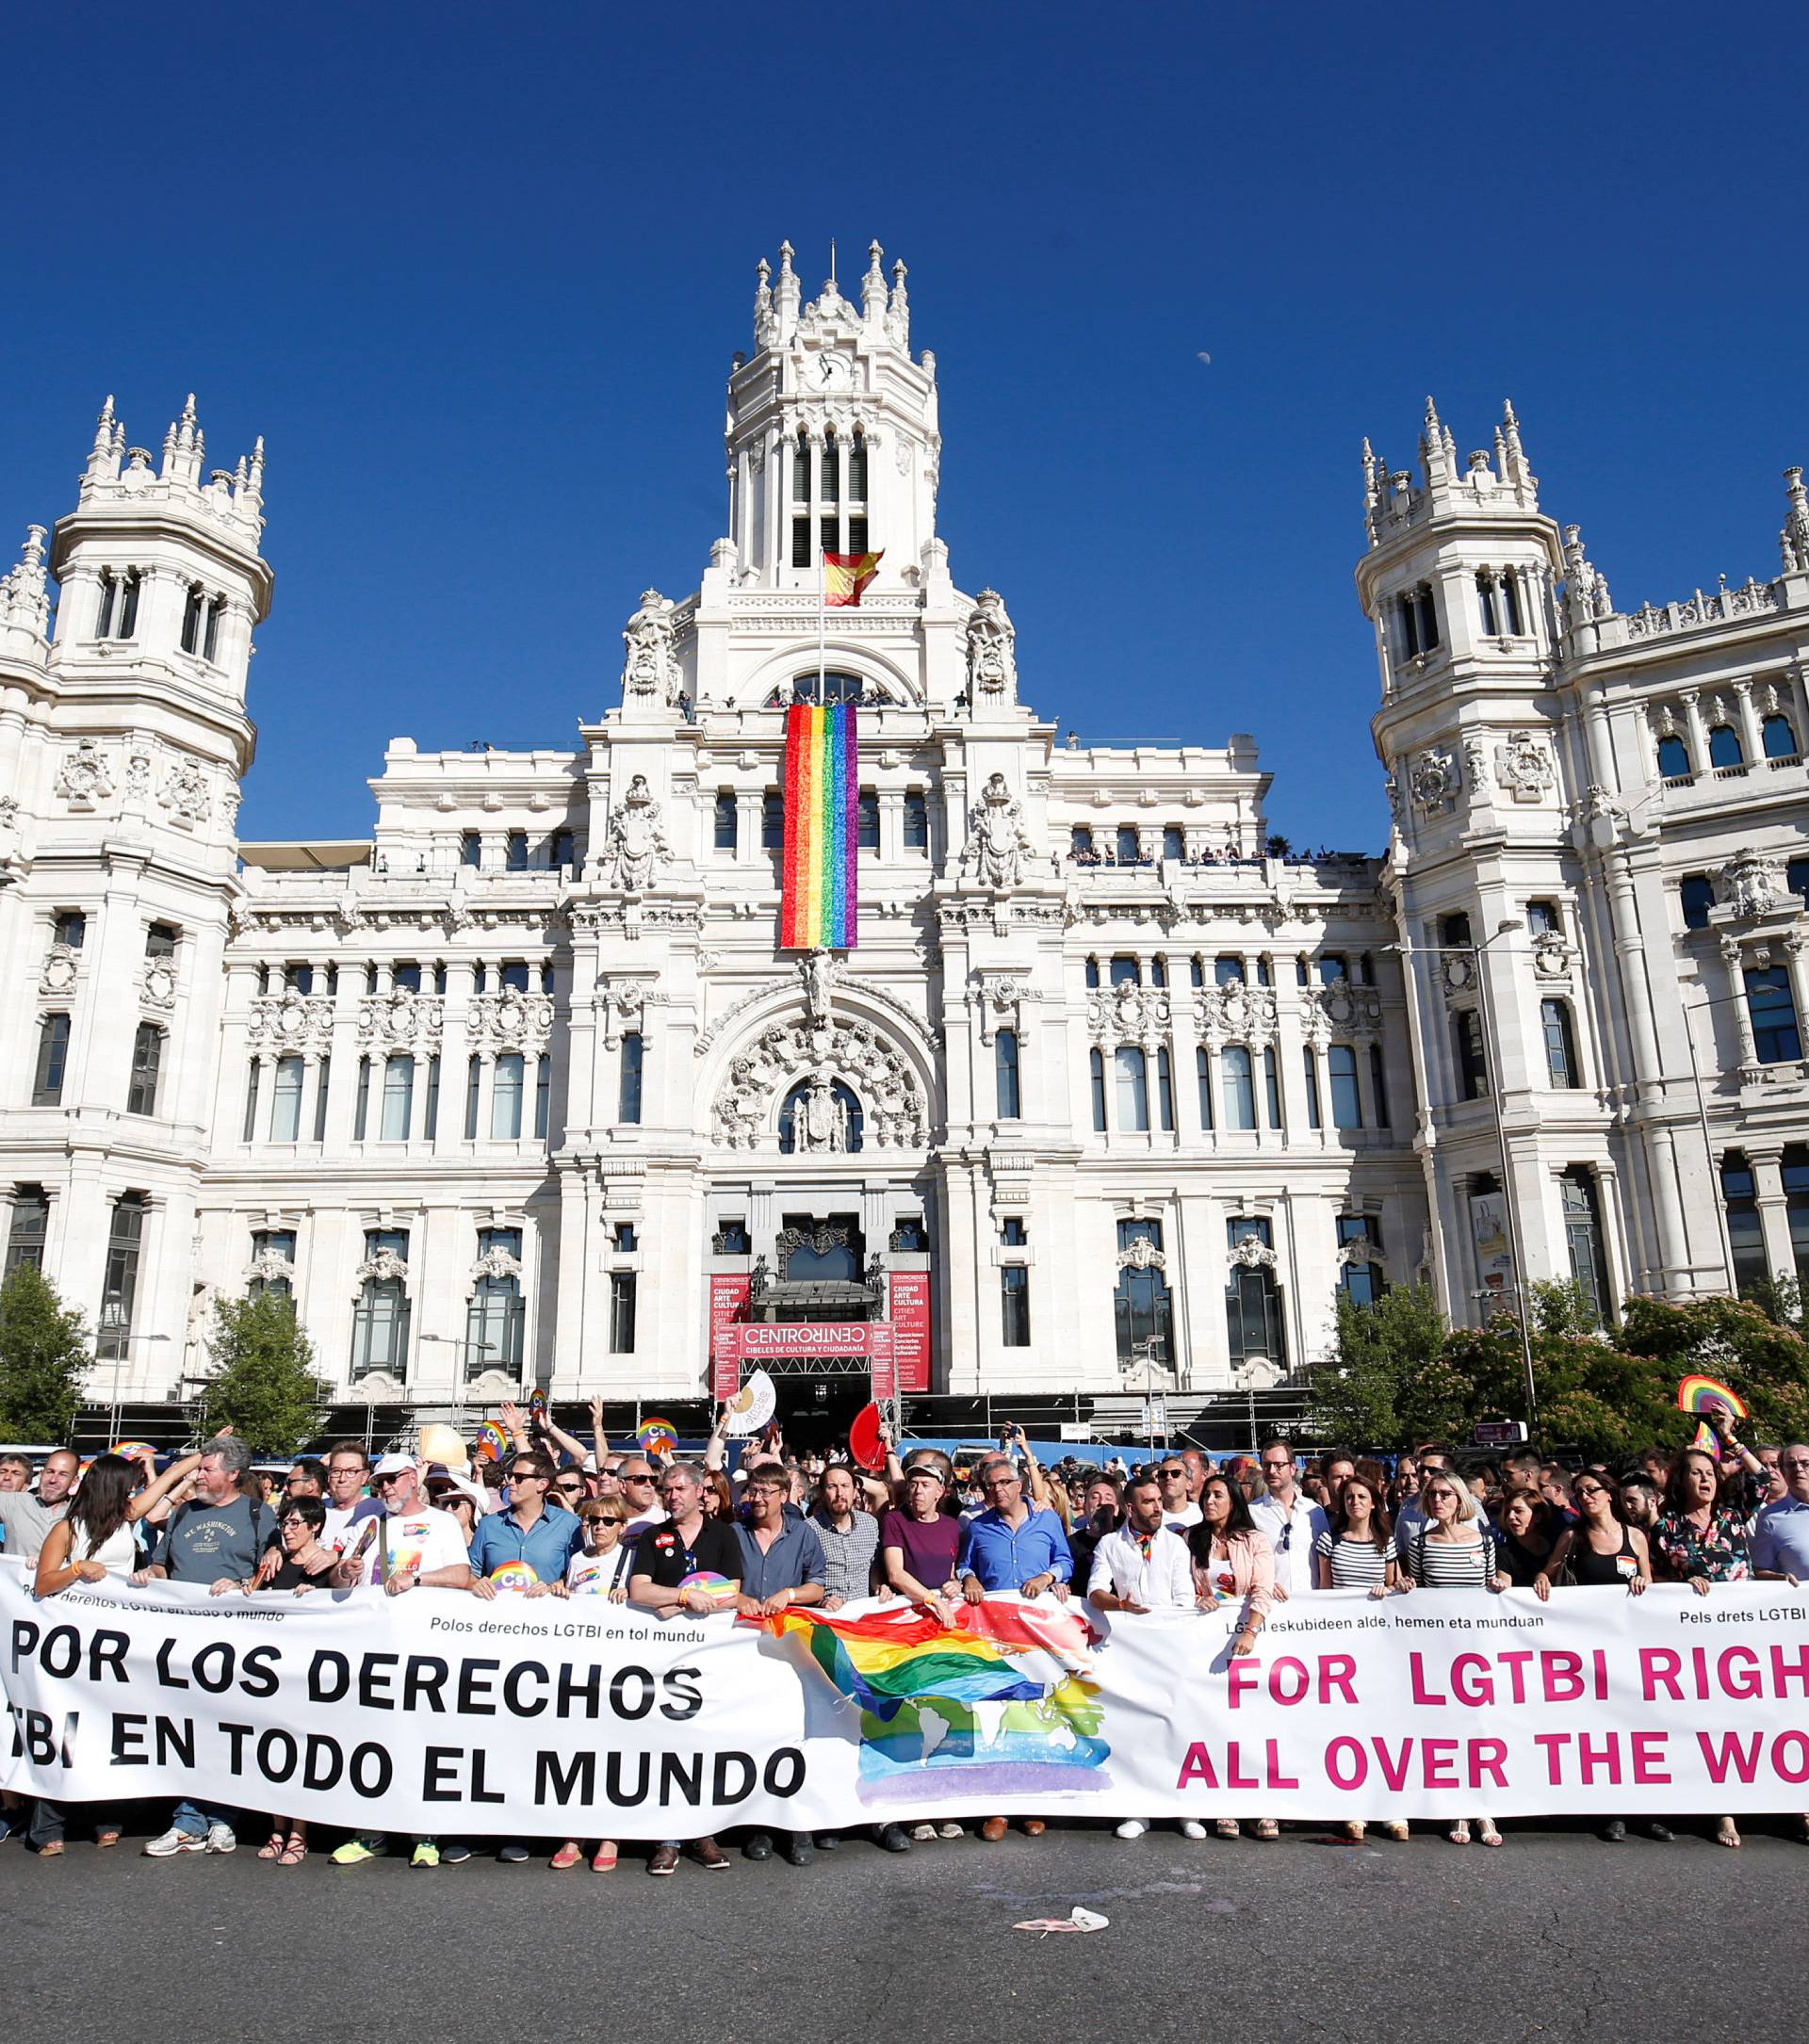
{"points": [[477, 273]]}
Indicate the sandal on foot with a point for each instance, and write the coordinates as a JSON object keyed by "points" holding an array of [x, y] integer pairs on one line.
{"points": [[1266, 1827], [1458, 1833], [1396, 1830], [567, 1856], [1487, 1834], [51, 1849], [603, 1859], [1354, 1832], [273, 1847], [294, 1851], [1224, 1827], [106, 1838]]}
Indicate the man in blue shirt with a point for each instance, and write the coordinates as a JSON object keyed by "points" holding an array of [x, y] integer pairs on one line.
{"points": [[782, 1566], [531, 1531], [1011, 1544], [1781, 1537]]}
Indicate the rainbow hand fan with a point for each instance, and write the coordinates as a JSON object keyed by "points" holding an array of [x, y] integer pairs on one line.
{"points": [[1701, 1395]]}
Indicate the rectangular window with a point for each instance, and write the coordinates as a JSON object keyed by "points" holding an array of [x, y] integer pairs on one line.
{"points": [[407, 976], [1125, 972], [1203, 1073], [1332, 969], [800, 543], [379, 1321], [1775, 1036], [1164, 1091], [829, 488], [1312, 1064], [772, 821], [1132, 1072], [1227, 970], [828, 537], [398, 1098], [1542, 919], [1796, 877], [53, 1061], [70, 928], [470, 848], [1014, 1300], [858, 476], [1561, 1043], [1095, 1074], [856, 533], [1378, 1085], [727, 830], [867, 820], [514, 853], [917, 820], [27, 1229], [430, 1116], [1362, 1278], [1004, 1058], [512, 979], [633, 1062], [1272, 1086], [562, 852], [148, 1065], [508, 1078], [160, 940], [1696, 896], [361, 1109], [543, 1094], [321, 1087], [1240, 1086], [1473, 1064], [1745, 1230], [298, 979], [272, 1243], [1012, 1232], [1346, 1102], [253, 1078], [119, 1286], [622, 1290], [286, 1101]]}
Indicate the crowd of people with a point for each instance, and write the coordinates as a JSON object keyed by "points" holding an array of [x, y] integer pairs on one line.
{"points": [[564, 1517]]}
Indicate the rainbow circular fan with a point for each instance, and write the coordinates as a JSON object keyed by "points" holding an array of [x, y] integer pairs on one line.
{"points": [[656, 1437], [513, 1576], [493, 1441]]}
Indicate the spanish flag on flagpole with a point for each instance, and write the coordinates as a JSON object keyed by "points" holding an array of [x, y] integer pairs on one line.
{"points": [[844, 575]]}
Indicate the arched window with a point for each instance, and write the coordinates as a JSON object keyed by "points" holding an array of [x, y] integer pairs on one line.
{"points": [[1418, 618], [1131, 1070], [814, 688], [801, 470], [1126, 972], [1240, 1086], [1004, 1058], [1091, 972], [1486, 603], [792, 1120], [1724, 747], [1780, 740], [1225, 968], [1673, 759]]}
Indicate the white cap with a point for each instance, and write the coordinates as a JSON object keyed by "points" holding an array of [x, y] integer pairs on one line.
{"points": [[392, 1465]]}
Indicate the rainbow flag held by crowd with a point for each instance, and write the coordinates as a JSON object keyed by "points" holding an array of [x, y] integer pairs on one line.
{"points": [[820, 902], [887, 1659]]}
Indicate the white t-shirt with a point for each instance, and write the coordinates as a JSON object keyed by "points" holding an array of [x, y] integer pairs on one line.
{"points": [[1189, 1514], [654, 1515], [596, 1575], [416, 1541]]}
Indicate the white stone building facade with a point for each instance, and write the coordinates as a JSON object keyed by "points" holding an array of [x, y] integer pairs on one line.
{"points": [[521, 1091]]}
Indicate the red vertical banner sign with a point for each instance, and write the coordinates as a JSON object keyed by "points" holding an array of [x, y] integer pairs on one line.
{"points": [[910, 1316], [881, 1364], [728, 1298]]}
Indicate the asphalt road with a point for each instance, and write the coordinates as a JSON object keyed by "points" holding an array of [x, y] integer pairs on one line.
{"points": [[1554, 1935]]}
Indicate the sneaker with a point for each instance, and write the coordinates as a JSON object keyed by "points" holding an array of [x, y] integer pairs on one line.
{"points": [[425, 1854], [664, 1859], [166, 1844], [1131, 1827], [950, 1829], [513, 1855], [220, 1839], [355, 1851], [1192, 1827], [455, 1855], [923, 1833]]}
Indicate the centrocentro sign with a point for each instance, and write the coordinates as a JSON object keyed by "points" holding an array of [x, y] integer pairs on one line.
{"points": [[766, 1341]]}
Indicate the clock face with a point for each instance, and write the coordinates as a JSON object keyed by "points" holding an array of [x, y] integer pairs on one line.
{"points": [[835, 373]]}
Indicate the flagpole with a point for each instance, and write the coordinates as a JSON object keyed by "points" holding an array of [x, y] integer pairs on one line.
{"points": [[823, 616]]}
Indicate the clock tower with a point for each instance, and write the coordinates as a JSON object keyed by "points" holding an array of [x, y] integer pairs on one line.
{"points": [[831, 433]]}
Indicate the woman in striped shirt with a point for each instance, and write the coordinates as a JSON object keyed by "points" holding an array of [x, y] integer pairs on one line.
{"points": [[1357, 1552], [1453, 1550]]}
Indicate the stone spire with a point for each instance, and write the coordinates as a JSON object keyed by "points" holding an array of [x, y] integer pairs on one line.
{"points": [[183, 448], [872, 287], [766, 324], [1512, 459], [247, 484], [1437, 450], [24, 598], [109, 445], [1793, 541], [787, 294], [1586, 590], [1375, 490], [898, 313]]}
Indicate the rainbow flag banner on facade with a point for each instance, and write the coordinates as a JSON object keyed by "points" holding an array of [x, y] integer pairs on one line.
{"points": [[820, 903]]}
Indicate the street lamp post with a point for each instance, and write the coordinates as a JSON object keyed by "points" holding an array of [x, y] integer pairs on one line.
{"points": [[1492, 1059], [1702, 1007]]}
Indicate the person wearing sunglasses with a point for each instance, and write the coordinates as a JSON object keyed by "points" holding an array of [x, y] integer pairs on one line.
{"points": [[1290, 1519], [641, 1494], [533, 1531], [1179, 1509]]}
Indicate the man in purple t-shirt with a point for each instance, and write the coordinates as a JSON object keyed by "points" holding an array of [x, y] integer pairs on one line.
{"points": [[918, 1542]]}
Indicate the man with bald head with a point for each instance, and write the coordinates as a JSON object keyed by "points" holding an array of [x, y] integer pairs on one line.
{"points": [[27, 1519]]}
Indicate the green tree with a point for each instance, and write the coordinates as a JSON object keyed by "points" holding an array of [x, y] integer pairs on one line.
{"points": [[1731, 1340], [263, 1386], [44, 1359], [1387, 1373]]}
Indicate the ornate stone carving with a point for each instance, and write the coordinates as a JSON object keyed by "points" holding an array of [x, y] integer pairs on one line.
{"points": [[819, 1120], [1551, 957], [400, 1018], [1239, 1014], [495, 1262], [61, 968], [997, 840], [269, 1267], [893, 1112], [137, 776], [820, 1240], [1141, 1253], [1360, 1250], [1753, 885], [384, 1267], [511, 1020], [185, 793], [651, 669], [292, 1021], [992, 655], [998, 998], [83, 780], [1585, 592], [1476, 762], [637, 838], [158, 984], [1250, 1252], [1350, 1011], [1128, 1013], [818, 971], [1525, 768], [1433, 780]]}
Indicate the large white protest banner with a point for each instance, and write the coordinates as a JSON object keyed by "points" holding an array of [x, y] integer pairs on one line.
{"points": [[545, 1718]]}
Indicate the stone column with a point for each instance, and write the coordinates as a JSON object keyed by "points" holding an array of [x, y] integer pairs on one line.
{"points": [[1731, 958], [1697, 731], [1747, 717], [1774, 1213]]}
